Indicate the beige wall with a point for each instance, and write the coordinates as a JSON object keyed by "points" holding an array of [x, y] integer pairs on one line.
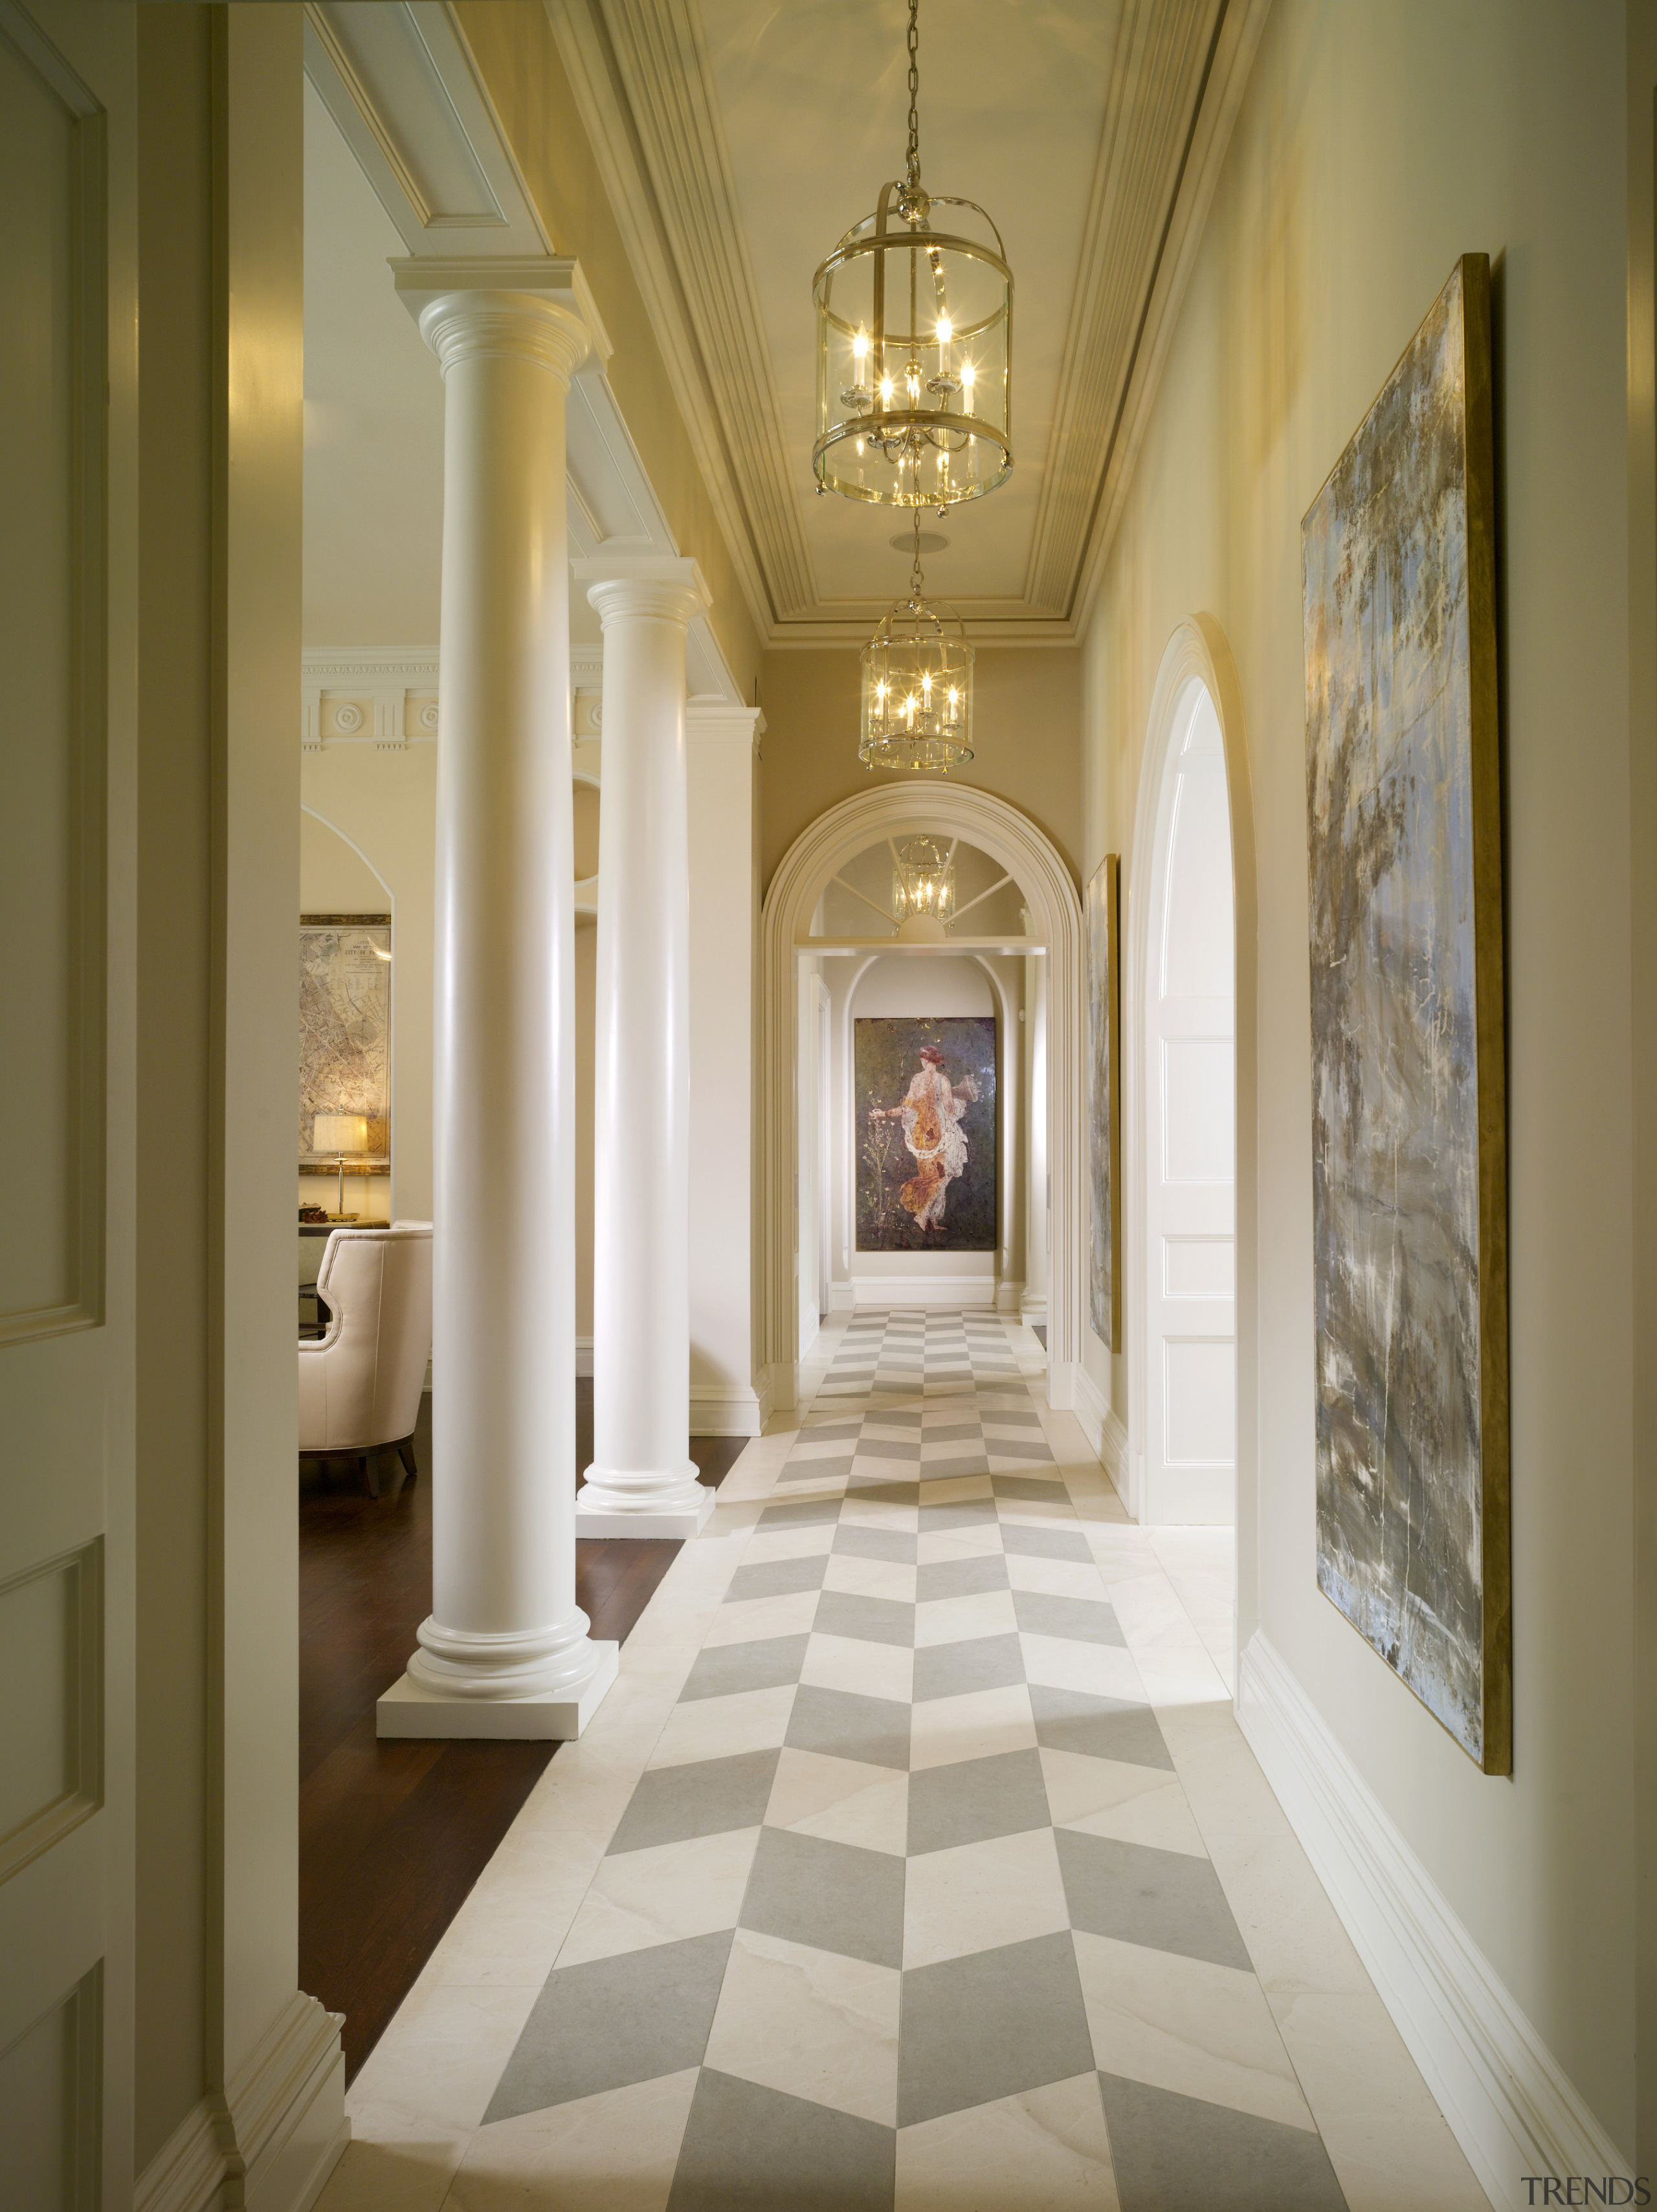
{"points": [[1026, 723], [1376, 144], [512, 45]]}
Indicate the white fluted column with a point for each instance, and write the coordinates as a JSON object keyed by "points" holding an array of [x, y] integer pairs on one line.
{"points": [[642, 1481], [505, 1651]]}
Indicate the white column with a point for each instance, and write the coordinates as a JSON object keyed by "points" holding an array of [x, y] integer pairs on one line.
{"points": [[642, 1481], [505, 1651]]}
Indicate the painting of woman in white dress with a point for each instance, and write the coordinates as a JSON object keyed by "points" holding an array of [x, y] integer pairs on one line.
{"points": [[926, 1167]]}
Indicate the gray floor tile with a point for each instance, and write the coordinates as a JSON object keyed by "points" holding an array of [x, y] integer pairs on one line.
{"points": [[941, 1470], [869, 1619], [614, 2022], [1173, 2154], [1044, 1543], [1011, 1417], [894, 1417], [867, 1486], [976, 1799], [990, 2026], [834, 1897], [845, 1725], [823, 1432], [800, 1512], [705, 1797], [961, 1577], [1084, 1620], [1028, 1490], [816, 1470], [1163, 1901], [1101, 1728], [1022, 1449], [777, 1578], [957, 1432], [749, 2149], [728, 1668], [906, 1449], [985, 1662], [874, 1543], [965, 1513]]}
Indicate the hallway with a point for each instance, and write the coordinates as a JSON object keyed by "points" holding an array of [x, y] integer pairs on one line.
{"points": [[916, 1860]]}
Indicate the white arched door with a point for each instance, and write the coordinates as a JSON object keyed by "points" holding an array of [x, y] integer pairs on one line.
{"points": [[1190, 1147]]}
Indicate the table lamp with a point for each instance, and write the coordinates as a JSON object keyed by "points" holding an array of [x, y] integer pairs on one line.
{"points": [[340, 1133]]}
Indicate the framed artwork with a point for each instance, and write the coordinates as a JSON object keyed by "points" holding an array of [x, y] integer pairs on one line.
{"points": [[1105, 1100], [1409, 1113], [923, 1118], [344, 1032]]}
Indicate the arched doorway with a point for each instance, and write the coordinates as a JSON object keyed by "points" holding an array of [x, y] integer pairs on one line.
{"points": [[1054, 925]]}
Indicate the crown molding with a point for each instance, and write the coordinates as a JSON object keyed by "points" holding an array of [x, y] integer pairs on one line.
{"points": [[758, 520]]}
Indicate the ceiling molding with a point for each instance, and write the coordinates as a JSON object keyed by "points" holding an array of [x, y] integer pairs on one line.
{"points": [[1161, 61], [768, 567]]}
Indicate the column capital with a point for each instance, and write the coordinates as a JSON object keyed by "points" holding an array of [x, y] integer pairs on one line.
{"points": [[538, 307], [656, 585]]}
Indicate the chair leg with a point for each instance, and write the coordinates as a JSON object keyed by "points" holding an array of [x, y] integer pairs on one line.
{"points": [[368, 1462], [405, 1453]]}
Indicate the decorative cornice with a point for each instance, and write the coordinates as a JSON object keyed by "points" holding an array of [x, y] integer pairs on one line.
{"points": [[355, 696]]}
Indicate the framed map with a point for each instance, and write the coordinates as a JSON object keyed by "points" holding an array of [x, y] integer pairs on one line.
{"points": [[1408, 1113], [344, 1029], [924, 1118]]}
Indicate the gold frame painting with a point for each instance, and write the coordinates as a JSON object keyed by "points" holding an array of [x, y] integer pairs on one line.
{"points": [[1410, 1211], [345, 1034]]}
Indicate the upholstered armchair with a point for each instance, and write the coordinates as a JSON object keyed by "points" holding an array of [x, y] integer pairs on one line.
{"points": [[360, 1382]]}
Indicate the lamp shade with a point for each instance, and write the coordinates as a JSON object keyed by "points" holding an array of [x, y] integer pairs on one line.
{"points": [[340, 1132]]}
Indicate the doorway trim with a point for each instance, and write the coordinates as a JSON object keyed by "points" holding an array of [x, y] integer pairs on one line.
{"points": [[1042, 873], [1197, 648]]}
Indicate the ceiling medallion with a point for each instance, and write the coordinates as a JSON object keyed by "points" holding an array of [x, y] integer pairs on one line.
{"points": [[917, 684], [914, 348]]}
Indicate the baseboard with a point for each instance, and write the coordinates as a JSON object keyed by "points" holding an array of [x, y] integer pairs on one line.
{"points": [[1507, 2100], [1032, 1309], [841, 1298], [583, 1356], [1113, 1450], [270, 2143], [946, 1293], [762, 1397], [1010, 1297], [1092, 1408], [725, 1409]]}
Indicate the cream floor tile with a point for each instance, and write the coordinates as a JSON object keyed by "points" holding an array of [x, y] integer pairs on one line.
{"points": [[861, 1511], [434, 2070], [661, 1894], [976, 1725], [1182, 2024], [980, 1543], [719, 1727], [870, 1578], [957, 1619], [399, 2174], [612, 2153], [976, 1897], [802, 1541], [1044, 2151], [1102, 1670], [1292, 1932], [1181, 1677], [750, 1621], [810, 2023], [1386, 2139], [871, 1670], [509, 1934], [841, 1800], [1054, 1578], [1108, 1797]]}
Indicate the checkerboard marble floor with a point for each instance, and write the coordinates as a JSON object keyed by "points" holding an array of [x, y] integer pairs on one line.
{"points": [[914, 1862]]}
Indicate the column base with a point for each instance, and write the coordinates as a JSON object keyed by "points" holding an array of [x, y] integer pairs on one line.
{"points": [[410, 1709], [609, 1520]]}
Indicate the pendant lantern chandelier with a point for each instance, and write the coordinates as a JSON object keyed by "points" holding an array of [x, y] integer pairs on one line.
{"points": [[914, 346], [917, 684]]}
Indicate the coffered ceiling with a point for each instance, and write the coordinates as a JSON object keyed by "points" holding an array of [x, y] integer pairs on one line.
{"points": [[740, 138]]}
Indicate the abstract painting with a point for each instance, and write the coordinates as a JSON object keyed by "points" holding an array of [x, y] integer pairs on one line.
{"points": [[344, 1027], [923, 1109], [1104, 1101], [1408, 1076]]}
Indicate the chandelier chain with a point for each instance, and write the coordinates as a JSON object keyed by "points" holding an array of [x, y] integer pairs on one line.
{"points": [[916, 581], [914, 170]]}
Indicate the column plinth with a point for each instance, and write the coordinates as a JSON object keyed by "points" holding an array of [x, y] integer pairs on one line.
{"points": [[642, 1481], [505, 1651]]}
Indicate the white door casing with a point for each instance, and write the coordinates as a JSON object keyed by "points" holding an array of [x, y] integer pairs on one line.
{"points": [[1188, 1161], [68, 265]]}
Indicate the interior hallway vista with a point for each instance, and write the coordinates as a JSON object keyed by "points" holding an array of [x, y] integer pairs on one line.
{"points": [[916, 1860]]}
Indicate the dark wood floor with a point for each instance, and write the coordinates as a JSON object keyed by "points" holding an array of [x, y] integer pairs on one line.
{"points": [[392, 1836]]}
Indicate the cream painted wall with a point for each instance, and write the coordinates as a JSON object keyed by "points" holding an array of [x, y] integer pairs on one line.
{"points": [[1026, 728], [1375, 144]]}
